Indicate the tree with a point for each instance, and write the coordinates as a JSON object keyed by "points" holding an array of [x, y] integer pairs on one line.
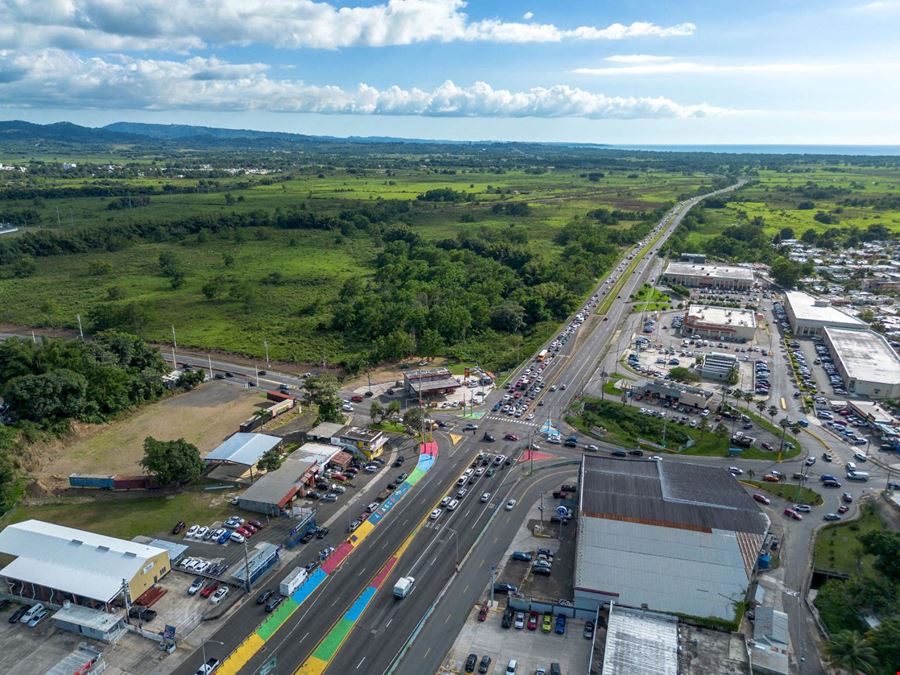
{"points": [[393, 408], [733, 376], [227, 260], [321, 391], [172, 462], [414, 417], [508, 317], [847, 650], [99, 268], [24, 267], [271, 460], [785, 272], [885, 640], [761, 406], [376, 412], [884, 546], [47, 397], [211, 289], [49, 308], [682, 374]]}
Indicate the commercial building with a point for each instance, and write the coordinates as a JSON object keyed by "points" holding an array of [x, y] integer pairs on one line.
{"points": [[274, 492], [364, 442], [429, 383], [771, 642], [695, 258], [640, 643], [718, 366], [720, 323], [867, 364], [56, 563], [666, 536], [669, 390], [695, 275], [809, 315], [264, 558], [90, 623]]}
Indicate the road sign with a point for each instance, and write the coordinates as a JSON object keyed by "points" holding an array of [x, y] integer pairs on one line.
{"points": [[562, 511], [269, 666], [169, 632]]}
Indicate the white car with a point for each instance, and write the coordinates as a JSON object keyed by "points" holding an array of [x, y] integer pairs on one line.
{"points": [[736, 470], [202, 566], [201, 531], [485, 498], [217, 597], [452, 505], [446, 500], [237, 537], [192, 531], [435, 514], [510, 505], [186, 563]]}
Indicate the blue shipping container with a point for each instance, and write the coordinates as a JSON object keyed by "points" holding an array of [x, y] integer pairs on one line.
{"points": [[88, 481]]}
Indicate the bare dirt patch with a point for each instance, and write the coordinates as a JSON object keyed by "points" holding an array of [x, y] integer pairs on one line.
{"points": [[204, 417]]}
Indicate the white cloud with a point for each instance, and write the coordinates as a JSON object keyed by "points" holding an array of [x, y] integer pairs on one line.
{"points": [[183, 25], [528, 16], [688, 67], [56, 78], [637, 58], [877, 7]]}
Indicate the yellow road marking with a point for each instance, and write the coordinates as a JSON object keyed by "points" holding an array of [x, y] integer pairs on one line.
{"points": [[455, 438]]}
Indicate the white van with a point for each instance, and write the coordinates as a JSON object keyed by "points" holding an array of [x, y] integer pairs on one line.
{"points": [[858, 475], [35, 610], [511, 667]]}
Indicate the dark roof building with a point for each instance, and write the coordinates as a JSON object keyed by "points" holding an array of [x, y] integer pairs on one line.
{"points": [[429, 382], [666, 536]]}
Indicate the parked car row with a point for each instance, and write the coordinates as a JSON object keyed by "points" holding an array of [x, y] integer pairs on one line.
{"points": [[31, 616]]}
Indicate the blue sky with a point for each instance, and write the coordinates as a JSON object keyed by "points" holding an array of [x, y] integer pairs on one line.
{"points": [[794, 71]]}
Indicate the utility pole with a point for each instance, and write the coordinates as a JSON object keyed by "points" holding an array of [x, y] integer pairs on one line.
{"points": [[80, 331], [493, 573], [246, 568], [266, 343], [256, 370], [174, 347], [209, 358]]}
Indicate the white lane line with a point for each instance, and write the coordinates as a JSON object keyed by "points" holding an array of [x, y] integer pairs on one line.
{"points": [[360, 662]]}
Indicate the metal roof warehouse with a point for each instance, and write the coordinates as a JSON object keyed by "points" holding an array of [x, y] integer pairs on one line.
{"points": [[243, 448]]}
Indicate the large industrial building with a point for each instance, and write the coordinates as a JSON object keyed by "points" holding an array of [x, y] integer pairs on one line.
{"points": [[809, 315], [865, 361], [55, 563], [720, 323], [695, 275], [665, 536]]}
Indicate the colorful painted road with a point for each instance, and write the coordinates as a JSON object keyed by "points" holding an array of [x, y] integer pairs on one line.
{"points": [[253, 643]]}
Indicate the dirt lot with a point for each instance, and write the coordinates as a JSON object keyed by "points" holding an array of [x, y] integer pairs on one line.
{"points": [[204, 416]]}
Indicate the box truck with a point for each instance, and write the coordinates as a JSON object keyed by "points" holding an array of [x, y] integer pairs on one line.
{"points": [[292, 581], [403, 587]]}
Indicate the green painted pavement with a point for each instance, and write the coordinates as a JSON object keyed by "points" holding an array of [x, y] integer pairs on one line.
{"points": [[271, 625], [332, 642]]}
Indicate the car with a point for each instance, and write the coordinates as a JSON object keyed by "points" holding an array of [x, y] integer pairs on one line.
{"points": [[735, 470], [244, 532], [453, 504], [488, 437], [510, 505], [847, 498], [446, 500], [308, 537], [560, 626], [588, 630], [18, 614], [547, 622], [843, 508], [802, 508], [402, 477], [434, 515], [507, 619], [263, 597], [462, 492], [196, 586], [542, 569], [201, 532], [192, 531], [144, 614], [485, 664], [810, 461], [532, 620], [209, 590], [274, 602], [519, 622], [355, 524], [767, 446], [503, 587], [471, 661], [326, 552], [790, 513], [237, 538], [771, 478], [521, 556], [510, 437], [482, 613], [860, 456], [831, 516], [831, 483], [762, 499], [826, 457], [592, 447], [618, 453], [179, 526], [399, 461], [470, 427]]}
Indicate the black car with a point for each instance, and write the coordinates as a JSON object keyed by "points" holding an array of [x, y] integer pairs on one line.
{"points": [[470, 663], [507, 619], [142, 613], [273, 602], [265, 595], [308, 537], [488, 438], [636, 453], [312, 565], [321, 532], [18, 614], [619, 453], [485, 664], [399, 461], [179, 526], [503, 587]]}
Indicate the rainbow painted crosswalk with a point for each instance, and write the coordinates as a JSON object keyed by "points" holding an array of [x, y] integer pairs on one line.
{"points": [[321, 657]]}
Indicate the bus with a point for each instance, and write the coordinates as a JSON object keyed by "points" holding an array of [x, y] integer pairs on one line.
{"points": [[542, 355]]}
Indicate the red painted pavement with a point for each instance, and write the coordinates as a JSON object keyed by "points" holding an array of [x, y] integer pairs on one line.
{"points": [[430, 448], [383, 572], [337, 557], [527, 456]]}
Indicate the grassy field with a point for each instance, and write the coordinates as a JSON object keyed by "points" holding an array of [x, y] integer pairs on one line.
{"points": [[838, 549], [128, 517], [789, 492], [649, 299]]}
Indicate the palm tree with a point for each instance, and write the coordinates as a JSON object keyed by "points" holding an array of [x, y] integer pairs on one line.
{"points": [[748, 396], [761, 405], [848, 650]]}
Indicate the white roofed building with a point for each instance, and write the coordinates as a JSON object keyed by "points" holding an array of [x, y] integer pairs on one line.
{"points": [[707, 275], [809, 315], [867, 364], [54, 563]]}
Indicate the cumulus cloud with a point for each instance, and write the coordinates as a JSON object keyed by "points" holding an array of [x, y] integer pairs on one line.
{"points": [[528, 16], [56, 78], [184, 25]]}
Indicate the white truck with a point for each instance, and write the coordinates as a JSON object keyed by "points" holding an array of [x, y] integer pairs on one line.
{"points": [[292, 581], [403, 587]]}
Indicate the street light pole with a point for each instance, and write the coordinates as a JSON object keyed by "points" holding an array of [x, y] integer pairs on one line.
{"points": [[203, 648]]}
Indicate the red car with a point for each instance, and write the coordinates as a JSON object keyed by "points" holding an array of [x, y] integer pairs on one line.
{"points": [[356, 398], [771, 478], [249, 528], [209, 590], [843, 508], [258, 525], [790, 513], [482, 613], [533, 621], [510, 437], [244, 531], [762, 499]]}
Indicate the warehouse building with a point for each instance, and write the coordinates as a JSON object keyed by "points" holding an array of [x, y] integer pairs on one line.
{"points": [[718, 366], [665, 536], [809, 315], [55, 563], [720, 323], [640, 643], [237, 456], [867, 364], [694, 275]]}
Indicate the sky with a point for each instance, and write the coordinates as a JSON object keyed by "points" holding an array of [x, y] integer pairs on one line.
{"points": [[598, 71]]}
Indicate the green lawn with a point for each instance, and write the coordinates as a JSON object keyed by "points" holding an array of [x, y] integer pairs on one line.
{"points": [[649, 299], [790, 492], [128, 517], [838, 549]]}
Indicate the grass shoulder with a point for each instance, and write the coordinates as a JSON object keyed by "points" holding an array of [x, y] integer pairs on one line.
{"points": [[791, 492]]}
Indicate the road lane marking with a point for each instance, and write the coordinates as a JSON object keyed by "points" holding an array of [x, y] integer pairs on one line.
{"points": [[360, 662]]}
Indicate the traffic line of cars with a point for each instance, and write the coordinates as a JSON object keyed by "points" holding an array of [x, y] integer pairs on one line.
{"points": [[482, 465]]}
